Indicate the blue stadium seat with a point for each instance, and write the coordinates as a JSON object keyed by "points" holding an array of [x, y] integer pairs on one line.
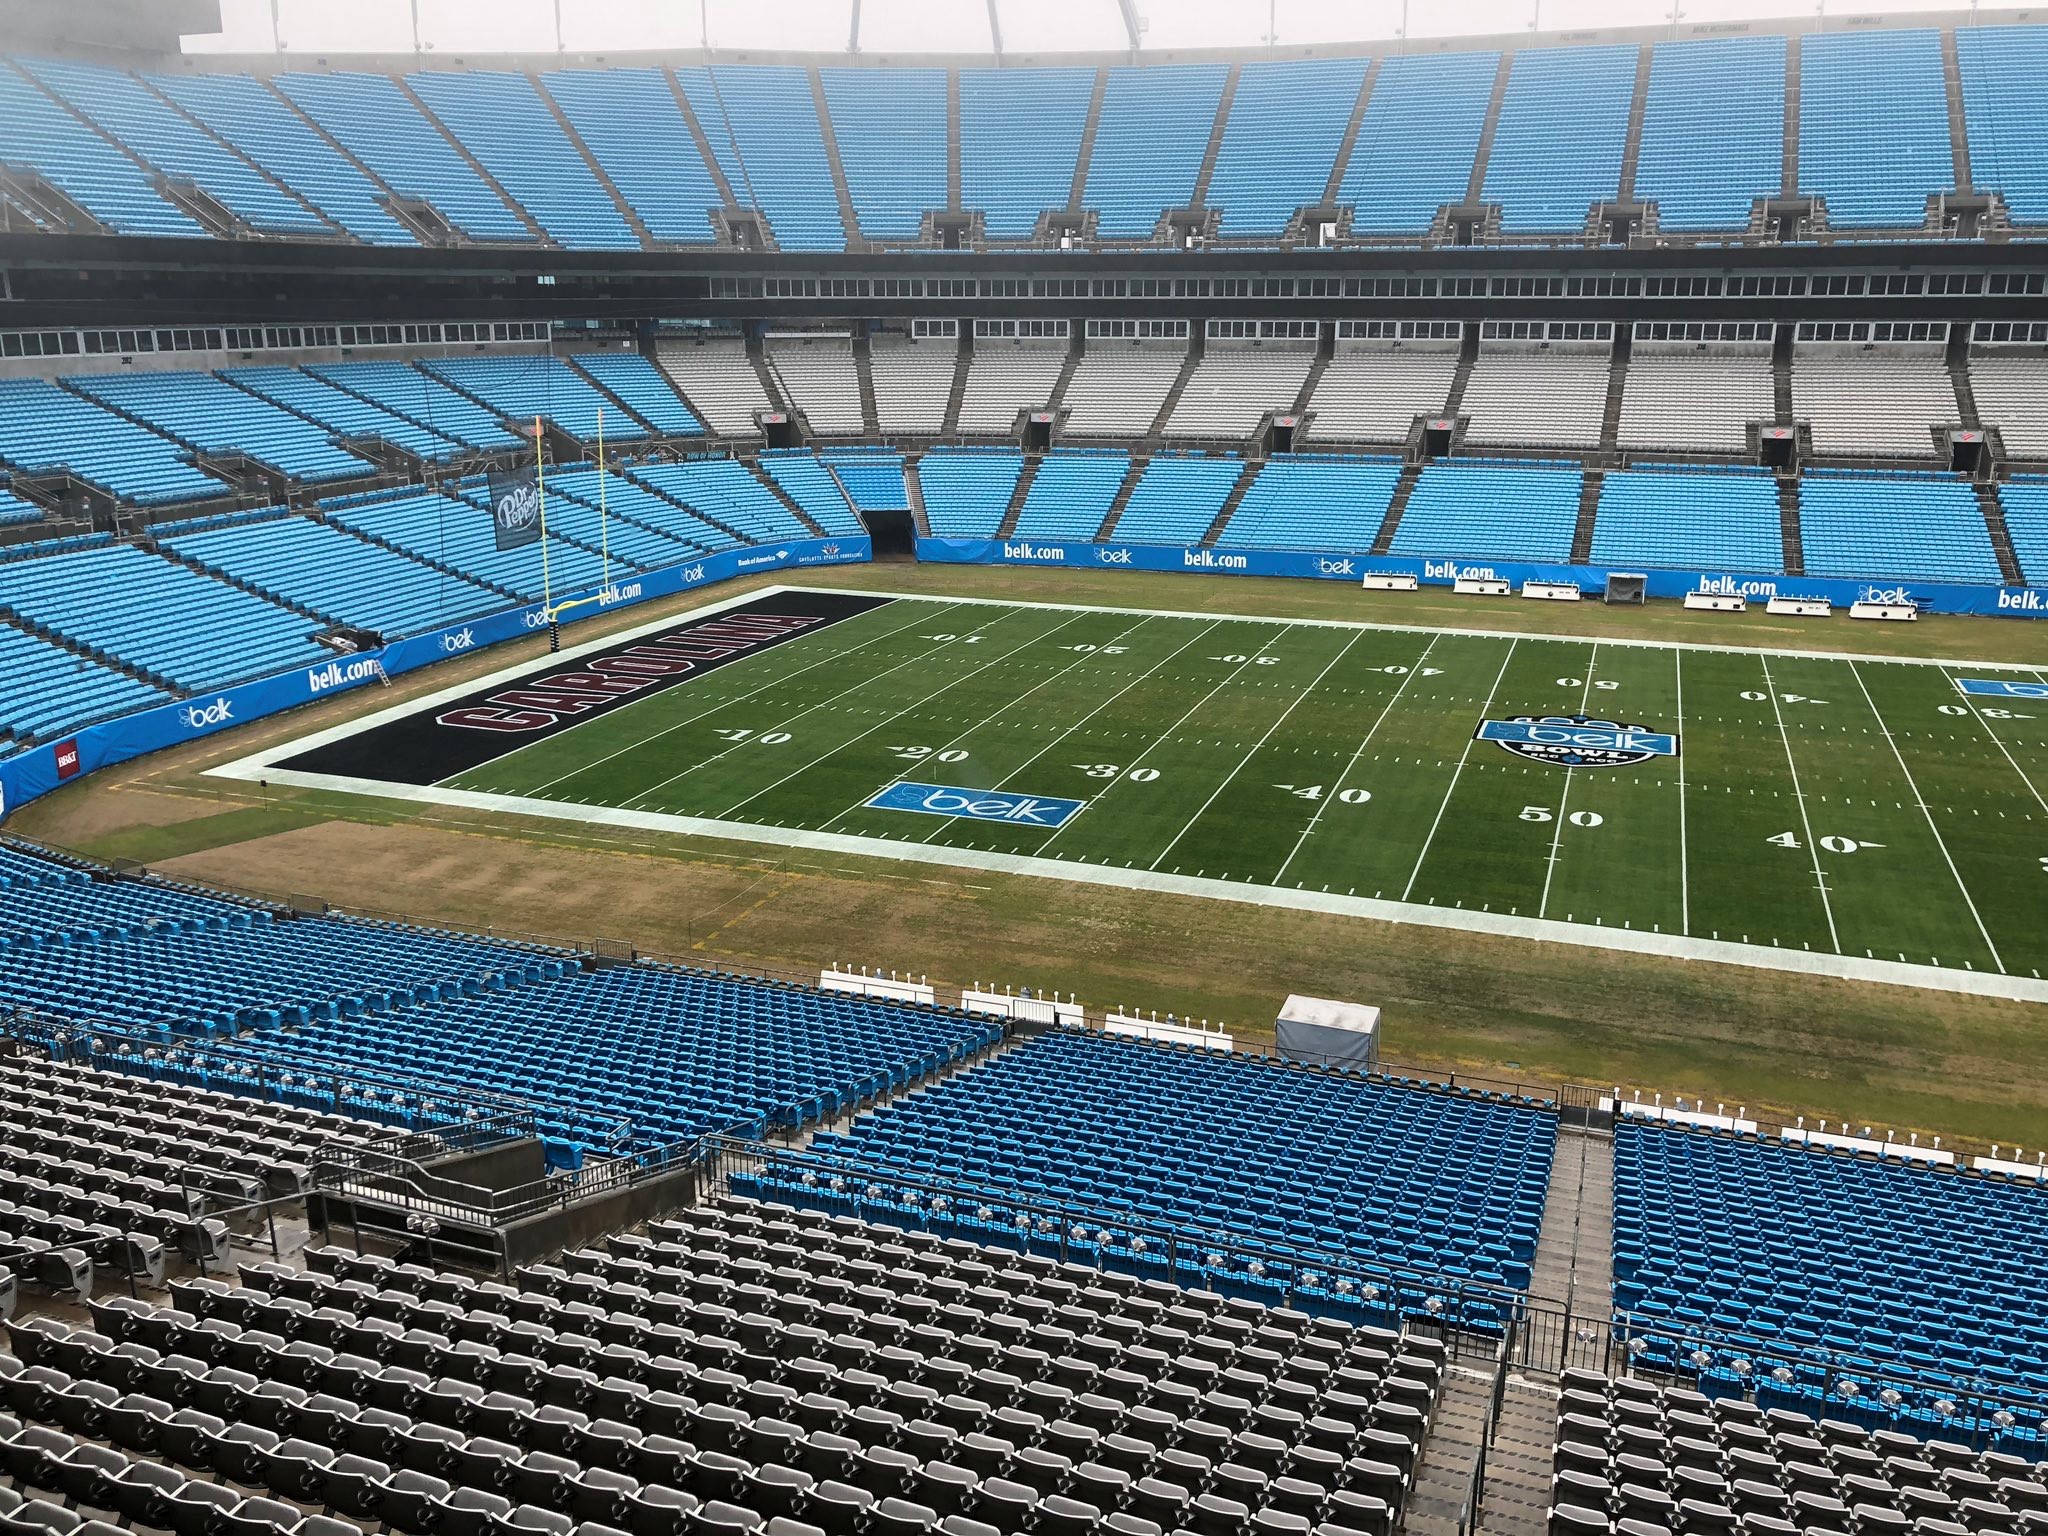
{"points": [[215, 417], [624, 498], [1873, 126], [1287, 120], [631, 120], [762, 124], [1563, 127], [1690, 519], [810, 485], [1072, 492], [727, 493], [873, 477], [967, 490], [1417, 140], [342, 414], [2025, 499], [421, 399], [1493, 510], [16, 513], [643, 388], [46, 690], [94, 174], [536, 384], [44, 429], [1177, 498], [457, 536], [1020, 138], [1314, 501], [1713, 131], [890, 126], [2002, 115], [1149, 142], [1897, 526]]}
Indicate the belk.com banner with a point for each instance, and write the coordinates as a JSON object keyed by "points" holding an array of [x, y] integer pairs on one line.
{"points": [[1930, 597], [44, 768]]}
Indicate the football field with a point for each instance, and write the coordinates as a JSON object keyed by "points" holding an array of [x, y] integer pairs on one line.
{"points": [[1868, 818]]}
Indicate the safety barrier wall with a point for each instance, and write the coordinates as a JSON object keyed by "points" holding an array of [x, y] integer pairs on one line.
{"points": [[1929, 597], [53, 764]]}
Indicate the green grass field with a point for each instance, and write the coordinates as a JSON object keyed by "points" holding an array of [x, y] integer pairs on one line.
{"points": [[1864, 809]]}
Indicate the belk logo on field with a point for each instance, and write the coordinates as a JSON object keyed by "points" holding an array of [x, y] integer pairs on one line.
{"points": [[2002, 688], [1577, 741], [977, 804]]}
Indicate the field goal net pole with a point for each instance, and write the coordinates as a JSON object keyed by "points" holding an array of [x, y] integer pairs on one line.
{"points": [[549, 606]]}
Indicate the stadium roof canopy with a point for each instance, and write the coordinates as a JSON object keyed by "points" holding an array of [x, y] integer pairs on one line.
{"points": [[1010, 28]]}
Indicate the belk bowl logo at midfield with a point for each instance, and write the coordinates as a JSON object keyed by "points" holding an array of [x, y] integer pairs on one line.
{"points": [[1577, 741]]}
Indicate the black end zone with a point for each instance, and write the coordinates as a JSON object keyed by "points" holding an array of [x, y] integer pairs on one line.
{"points": [[554, 694]]}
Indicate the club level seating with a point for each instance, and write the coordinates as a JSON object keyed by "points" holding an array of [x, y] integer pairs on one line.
{"points": [[45, 430], [1417, 140], [1072, 493], [1688, 518], [295, 973], [1633, 1455], [1286, 122], [418, 397], [1020, 136], [1810, 1250], [1897, 526], [872, 477], [810, 485], [1701, 398], [632, 123], [1713, 131], [1182, 1140], [46, 690], [1552, 397], [1302, 501], [421, 1402], [502, 119], [376, 122], [891, 133], [1881, 404], [1370, 395], [215, 417], [1873, 126], [131, 113], [2025, 499], [1117, 389], [1558, 147], [819, 378], [1005, 377], [727, 492], [967, 490], [521, 388], [628, 499], [263, 129], [1232, 388], [455, 535], [1150, 138], [87, 168], [643, 390], [718, 380], [340, 413], [912, 382], [763, 128], [2012, 396], [1492, 509], [125, 605], [1177, 498]]}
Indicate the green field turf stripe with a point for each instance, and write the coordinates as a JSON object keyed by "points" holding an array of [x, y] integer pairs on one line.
{"points": [[1351, 767], [1278, 721], [1485, 712], [1684, 851], [1998, 741], [1921, 801], [1564, 796], [1820, 878], [766, 660]]}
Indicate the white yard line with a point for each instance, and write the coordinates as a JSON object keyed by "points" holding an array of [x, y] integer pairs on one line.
{"points": [[1820, 878], [1024, 644], [1145, 676], [1167, 734], [1485, 710], [1356, 757], [1564, 797], [1045, 682], [1928, 812], [774, 682], [1684, 860], [1632, 941], [1999, 742], [1278, 721]]}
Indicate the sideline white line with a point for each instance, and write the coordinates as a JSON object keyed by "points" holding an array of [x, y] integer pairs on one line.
{"points": [[773, 682], [1337, 783], [1998, 741], [1485, 710], [1146, 676], [1631, 941], [1163, 737], [1564, 797], [1820, 878], [1278, 721], [1022, 645], [1928, 811], [1002, 709]]}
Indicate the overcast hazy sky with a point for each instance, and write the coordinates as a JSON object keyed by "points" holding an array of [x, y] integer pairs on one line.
{"points": [[900, 26]]}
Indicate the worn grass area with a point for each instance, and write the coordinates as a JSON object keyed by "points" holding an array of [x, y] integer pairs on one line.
{"points": [[1938, 1062]]}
